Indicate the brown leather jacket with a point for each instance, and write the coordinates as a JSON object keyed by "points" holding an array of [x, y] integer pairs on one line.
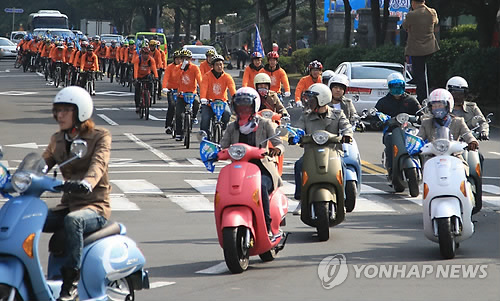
{"points": [[93, 168]]}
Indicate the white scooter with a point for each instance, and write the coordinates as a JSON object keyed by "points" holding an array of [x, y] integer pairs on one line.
{"points": [[448, 198]]}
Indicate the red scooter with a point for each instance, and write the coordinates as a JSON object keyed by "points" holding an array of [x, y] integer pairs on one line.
{"points": [[239, 216]]}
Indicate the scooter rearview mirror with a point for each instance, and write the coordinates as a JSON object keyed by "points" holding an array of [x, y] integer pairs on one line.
{"points": [[79, 148], [201, 135]]}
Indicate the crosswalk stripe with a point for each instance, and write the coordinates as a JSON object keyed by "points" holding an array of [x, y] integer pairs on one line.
{"points": [[120, 203], [366, 205], [5, 163], [493, 189], [219, 268], [203, 186], [155, 151], [137, 187], [192, 203]]}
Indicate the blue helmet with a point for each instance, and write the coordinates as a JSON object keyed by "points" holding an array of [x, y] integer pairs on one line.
{"points": [[396, 83]]}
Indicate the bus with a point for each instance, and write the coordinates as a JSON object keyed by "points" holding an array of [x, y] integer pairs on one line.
{"points": [[48, 19]]}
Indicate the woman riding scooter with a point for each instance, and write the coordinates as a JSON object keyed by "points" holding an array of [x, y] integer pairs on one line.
{"points": [[251, 129], [85, 205], [319, 116]]}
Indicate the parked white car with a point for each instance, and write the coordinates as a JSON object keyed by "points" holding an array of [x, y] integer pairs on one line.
{"points": [[7, 49], [17, 36], [198, 52], [368, 81]]}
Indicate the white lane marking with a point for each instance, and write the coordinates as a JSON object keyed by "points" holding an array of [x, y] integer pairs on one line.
{"points": [[137, 187], [495, 153], [114, 93], [292, 205], [126, 108], [219, 268], [288, 188], [365, 205], [155, 118], [40, 74], [203, 186], [120, 203], [196, 162], [192, 203], [158, 153], [492, 201], [366, 189], [5, 163], [493, 189], [158, 284], [107, 119], [31, 145], [107, 109]]}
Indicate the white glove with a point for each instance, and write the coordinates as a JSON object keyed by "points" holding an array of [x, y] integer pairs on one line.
{"points": [[184, 64], [204, 101], [165, 90], [287, 94], [299, 104]]}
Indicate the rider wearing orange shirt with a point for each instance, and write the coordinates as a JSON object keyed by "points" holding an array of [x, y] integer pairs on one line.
{"points": [[277, 74], [252, 70], [160, 62], [101, 51], [190, 77], [88, 62], [206, 65], [143, 67], [214, 85], [314, 68], [171, 82]]}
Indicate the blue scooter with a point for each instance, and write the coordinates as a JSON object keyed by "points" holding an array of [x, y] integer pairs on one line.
{"points": [[112, 264]]}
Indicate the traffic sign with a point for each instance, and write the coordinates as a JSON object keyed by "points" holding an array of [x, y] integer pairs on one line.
{"points": [[14, 10]]}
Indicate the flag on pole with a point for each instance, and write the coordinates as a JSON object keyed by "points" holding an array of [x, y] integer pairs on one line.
{"points": [[257, 45]]}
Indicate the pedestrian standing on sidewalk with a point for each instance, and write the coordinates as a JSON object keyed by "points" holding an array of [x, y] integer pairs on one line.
{"points": [[421, 43]]}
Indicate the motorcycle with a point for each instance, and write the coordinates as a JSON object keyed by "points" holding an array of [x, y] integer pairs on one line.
{"points": [[475, 167], [447, 197], [239, 216], [322, 195], [406, 162], [112, 264], [351, 165]]}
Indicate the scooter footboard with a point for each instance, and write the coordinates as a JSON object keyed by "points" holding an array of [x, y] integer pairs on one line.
{"points": [[12, 274], [236, 216], [445, 207]]}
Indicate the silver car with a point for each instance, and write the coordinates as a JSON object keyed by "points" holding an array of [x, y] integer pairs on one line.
{"points": [[198, 52], [7, 49], [368, 81]]}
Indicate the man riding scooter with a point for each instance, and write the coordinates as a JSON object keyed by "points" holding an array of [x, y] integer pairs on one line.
{"points": [[252, 129], [318, 116], [395, 102]]}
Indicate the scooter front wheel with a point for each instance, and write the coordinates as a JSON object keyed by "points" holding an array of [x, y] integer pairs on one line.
{"points": [[236, 254], [411, 177], [121, 289], [350, 195], [268, 256], [6, 290], [323, 220], [447, 245]]}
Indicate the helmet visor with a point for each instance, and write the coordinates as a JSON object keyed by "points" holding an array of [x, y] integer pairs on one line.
{"points": [[397, 88], [310, 100], [243, 104], [439, 109]]}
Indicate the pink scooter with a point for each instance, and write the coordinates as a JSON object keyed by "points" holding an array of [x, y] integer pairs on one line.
{"points": [[239, 216]]}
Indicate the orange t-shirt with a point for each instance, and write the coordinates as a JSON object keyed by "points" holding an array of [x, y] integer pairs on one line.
{"points": [[144, 67], [172, 77], [249, 75], [216, 88], [204, 67], [278, 78], [304, 84], [89, 62], [189, 78]]}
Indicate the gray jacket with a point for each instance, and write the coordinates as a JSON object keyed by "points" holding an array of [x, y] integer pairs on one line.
{"points": [[333, 123], [457, 128], [468, 111]]}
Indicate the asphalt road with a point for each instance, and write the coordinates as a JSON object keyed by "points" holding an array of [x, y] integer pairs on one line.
{"points": [[164, 196]]}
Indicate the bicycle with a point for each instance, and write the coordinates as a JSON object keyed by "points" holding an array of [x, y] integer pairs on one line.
{"points": [[174, 95], [58, 74], [46, 68], [102, 67], [88, 78], [67, 75], [145, 94], [19, 60], [155, 90], [130, 76], [188, 112], [218, 107], [111, 69]]}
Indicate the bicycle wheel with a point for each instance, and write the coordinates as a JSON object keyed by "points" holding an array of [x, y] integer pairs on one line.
{"points": [[187, 128], [57, 79], [17, 63], [217, 133], [154, 92], [111, 72], [46, 71], [147, 103]]}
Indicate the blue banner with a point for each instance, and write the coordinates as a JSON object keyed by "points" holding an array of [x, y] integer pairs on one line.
{"points": [[218, 107], [208, 154], [257, 44], [413, 143]]}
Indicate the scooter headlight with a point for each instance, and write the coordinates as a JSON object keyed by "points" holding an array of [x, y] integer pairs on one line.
{"points": [[21, 181], [320, 137], [403, 118], [237, 152], [267, 114], [441, 145]]}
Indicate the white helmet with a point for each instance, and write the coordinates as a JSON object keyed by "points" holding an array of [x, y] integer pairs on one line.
{"points": [[322, 92], [80, 98], [261, 78], [396, 76], [340, 79], [457, 83], [441, 96], [246, 96], [326, 75]]}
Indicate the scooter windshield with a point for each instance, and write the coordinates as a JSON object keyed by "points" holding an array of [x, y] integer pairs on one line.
{"points": [[33, 163], [443, 132]]}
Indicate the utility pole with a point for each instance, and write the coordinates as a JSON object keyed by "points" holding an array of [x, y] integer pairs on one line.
{"points": [[294, 25]]}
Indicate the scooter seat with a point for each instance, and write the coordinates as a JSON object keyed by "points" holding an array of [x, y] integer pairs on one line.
{"points": [[58, 239]]}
